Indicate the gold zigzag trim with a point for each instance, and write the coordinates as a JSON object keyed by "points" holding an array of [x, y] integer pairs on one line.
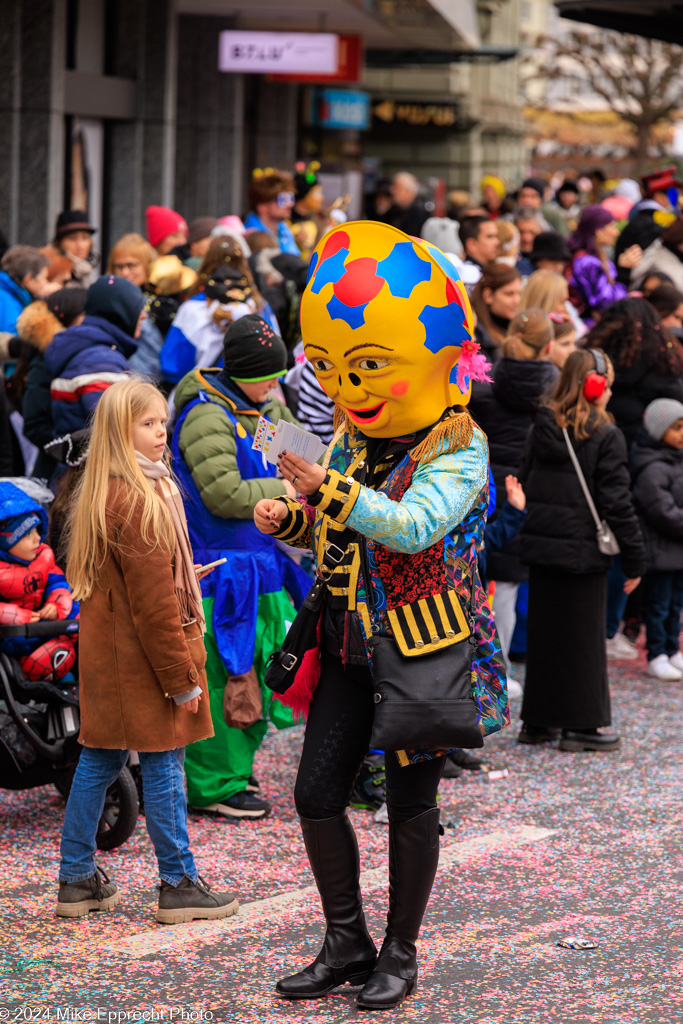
{"points": [[341, 419], [456, 431]]}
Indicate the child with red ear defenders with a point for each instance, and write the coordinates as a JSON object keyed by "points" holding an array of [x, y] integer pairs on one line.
{"points": [[566, 693], [597, 384]]}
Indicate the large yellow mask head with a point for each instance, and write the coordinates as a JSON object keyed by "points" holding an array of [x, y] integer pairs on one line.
{"points": [[385, 321]]}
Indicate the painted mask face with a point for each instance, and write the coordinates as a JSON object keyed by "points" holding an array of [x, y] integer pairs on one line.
{"points": [[384, 320]]}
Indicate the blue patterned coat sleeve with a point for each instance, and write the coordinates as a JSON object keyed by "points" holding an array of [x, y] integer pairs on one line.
{"points": [[440, 496]]}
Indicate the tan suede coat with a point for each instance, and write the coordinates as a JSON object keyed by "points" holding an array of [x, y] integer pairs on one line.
{"points": [[135, 652]]}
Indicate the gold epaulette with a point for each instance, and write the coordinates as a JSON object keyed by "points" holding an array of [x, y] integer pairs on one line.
{"points": [[450, 435]]}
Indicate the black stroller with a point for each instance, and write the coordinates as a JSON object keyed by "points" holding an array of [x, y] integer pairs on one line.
{"points": [[39, 725]]}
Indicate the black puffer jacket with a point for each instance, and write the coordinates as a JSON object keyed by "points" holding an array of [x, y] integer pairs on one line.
{"points": [[559, 530], [505, 410], [657, 473], [633, 389], [490, 348]]}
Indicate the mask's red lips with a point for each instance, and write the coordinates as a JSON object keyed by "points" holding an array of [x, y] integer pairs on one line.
{"points": [[366, 415]]}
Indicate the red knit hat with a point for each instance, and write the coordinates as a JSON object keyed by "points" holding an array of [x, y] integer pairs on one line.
{"points": [[162, 221]]}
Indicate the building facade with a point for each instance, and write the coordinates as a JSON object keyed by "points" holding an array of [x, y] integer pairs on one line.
{"points": [[113, 105]]}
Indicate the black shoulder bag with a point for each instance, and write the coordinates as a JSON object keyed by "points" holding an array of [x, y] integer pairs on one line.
{"points": [[423, 702]]}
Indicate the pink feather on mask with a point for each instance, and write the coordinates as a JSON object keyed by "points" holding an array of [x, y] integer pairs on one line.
{"points": [[472, 365]]}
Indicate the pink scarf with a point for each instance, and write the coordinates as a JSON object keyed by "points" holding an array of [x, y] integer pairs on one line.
{"points": [[187, 589]]}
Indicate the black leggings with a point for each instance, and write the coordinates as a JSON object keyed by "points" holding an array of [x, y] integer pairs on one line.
{"points": [[338, 739]]}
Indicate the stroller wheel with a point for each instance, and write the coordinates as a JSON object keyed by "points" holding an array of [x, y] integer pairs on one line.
{"points": [[63, 784], [120, 812]]}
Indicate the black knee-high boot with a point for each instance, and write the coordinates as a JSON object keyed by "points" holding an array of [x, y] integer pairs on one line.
{"points": [[413, 860], [348, 952]]}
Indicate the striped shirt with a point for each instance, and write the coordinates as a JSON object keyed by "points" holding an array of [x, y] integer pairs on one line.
{"points": [[315, 411]]}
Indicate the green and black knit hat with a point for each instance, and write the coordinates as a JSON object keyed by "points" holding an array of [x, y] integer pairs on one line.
{"points": [[252, 351]]}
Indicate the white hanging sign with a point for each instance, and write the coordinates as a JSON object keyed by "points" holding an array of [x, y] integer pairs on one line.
{"points": [[285, 53]]}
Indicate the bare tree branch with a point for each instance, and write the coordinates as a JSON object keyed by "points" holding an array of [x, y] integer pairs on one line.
{"points": [[640, 79]]}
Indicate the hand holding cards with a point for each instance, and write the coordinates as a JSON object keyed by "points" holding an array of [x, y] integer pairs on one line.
{"points": [[271, 440]]}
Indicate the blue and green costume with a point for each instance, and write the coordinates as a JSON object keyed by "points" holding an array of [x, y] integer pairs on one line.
{"points": [[248, 600]]}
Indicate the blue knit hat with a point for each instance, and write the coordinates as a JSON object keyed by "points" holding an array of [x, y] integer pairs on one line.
{"points": [[19, 514], [117, 300]]}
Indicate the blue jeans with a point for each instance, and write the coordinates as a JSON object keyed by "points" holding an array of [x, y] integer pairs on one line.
{"points": [[165, 812], [616, 598], [664, 602]]}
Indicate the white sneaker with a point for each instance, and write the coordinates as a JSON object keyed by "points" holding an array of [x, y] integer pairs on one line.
{"points": [[661, 668], [620, 649], [514, 688], [677, 660]]}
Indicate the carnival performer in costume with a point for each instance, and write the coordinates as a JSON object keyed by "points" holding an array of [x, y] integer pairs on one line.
{"points": [[246, 600], [398, 507]]}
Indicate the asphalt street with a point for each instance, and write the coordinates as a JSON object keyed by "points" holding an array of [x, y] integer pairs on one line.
{"points": [[566, 845]]}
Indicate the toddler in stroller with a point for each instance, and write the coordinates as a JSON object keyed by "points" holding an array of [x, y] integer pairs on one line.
{"points": [[32, 587], [39, 707]]}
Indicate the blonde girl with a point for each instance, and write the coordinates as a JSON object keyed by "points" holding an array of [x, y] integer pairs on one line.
{"points": [[141, 654]]}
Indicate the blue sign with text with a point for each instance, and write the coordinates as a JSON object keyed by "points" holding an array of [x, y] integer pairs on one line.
{"points": [[342, 108]]}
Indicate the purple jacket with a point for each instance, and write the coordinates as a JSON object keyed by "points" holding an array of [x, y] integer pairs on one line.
{"points": [[591, 286]]}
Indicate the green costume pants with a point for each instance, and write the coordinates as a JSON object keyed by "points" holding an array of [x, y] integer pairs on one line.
{"points": [[219, 767]]}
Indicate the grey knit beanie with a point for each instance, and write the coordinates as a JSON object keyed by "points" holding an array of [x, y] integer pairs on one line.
{"points": [[660, 415]]}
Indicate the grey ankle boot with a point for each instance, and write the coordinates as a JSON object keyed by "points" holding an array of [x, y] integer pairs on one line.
{"points": [[77, 899]]}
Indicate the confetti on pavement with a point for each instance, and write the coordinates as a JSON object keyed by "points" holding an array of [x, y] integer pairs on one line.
{"points": [[585, 845]]}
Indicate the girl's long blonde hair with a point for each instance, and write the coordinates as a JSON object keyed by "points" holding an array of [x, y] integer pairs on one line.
{"points": [[545, 290], [112, 456]]}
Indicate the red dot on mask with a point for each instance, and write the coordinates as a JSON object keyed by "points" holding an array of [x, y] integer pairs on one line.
{"points": [[360, 283], [453, 294], [340, 240], [399, 388]]}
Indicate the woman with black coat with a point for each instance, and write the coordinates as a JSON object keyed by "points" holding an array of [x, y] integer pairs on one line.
{"points": [[648, 364], [566, 681], [505, 410], [647, 361]]}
